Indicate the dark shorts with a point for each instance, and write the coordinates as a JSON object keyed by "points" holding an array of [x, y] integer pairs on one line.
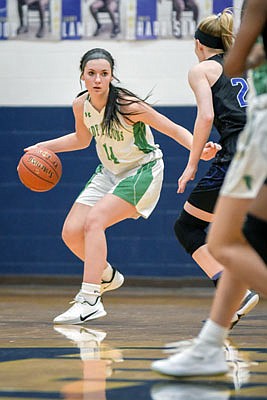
{"points": [[206, 192]]}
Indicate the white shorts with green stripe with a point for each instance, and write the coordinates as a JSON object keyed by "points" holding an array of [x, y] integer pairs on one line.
{"points": [[140, 186], [248, 169]]}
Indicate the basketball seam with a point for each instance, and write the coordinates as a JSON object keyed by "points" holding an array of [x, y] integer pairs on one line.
{"points": [[47, 160], [37, 176]]}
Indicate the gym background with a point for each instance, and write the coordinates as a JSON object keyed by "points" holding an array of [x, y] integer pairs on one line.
{"points": [[39, 80]]}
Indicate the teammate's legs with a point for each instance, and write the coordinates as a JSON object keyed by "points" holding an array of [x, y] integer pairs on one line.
{"points": [[244, 269], [230, 247], [255, 226]]}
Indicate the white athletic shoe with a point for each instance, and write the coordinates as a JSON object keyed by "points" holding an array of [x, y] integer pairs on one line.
{"points": [[177, 347], [197, 360], [115, 282], [81, 311], [249, 302], [188, 391]]}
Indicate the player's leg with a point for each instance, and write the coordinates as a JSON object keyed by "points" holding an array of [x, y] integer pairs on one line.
{"points": [[107, 212], [192, 5], [73, 229], [190, 229], [130, 196], [73, 233], [87, 303], [178, 7], [231, 248], [205, 355], [41, 9], [22, 28], [255, 226], [94, 8], [113, 10]]}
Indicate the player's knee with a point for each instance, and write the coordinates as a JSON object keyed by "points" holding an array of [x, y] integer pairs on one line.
{"points": [[190, 232], [67, 233], [70, 233], [255, 231], [93, 223]]}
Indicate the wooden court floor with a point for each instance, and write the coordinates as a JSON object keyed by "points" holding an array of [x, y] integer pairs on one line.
{"points": [[109, 358]]}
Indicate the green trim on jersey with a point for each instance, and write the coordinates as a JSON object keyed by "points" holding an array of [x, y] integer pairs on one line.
{"points": [[259, 74], [139, 131], [134, 187], [98, 170], [260, 78]]}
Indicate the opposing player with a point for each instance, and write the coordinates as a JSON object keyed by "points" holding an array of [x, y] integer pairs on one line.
{"points": [[126, 184], [220, 101]]}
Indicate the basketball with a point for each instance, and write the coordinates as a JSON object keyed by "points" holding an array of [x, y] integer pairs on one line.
{"points": [[40, 169]]}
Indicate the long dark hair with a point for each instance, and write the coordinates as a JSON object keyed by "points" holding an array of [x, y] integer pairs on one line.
{"points": [[116, 96]]}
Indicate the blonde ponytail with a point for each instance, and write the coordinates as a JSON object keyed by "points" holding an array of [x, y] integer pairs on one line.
{"points": [[219, 26]]}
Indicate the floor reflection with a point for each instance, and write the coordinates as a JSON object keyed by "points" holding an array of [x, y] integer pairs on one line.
{"points": [[110, 358], [188, 391], [97, 362]]}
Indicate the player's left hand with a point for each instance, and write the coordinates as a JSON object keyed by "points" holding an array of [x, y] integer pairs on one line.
{"points": [[210, 150], [188, 175]]}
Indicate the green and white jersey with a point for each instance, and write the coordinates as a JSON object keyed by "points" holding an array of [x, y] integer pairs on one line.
{"points": [[259, 76], [124, 147]]}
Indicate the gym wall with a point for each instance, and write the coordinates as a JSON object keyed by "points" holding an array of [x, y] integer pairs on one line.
{"points": [[39, 82]]}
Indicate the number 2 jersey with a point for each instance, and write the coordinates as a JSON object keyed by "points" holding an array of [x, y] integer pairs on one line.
{"points": [[229, 103], [124, 147]]}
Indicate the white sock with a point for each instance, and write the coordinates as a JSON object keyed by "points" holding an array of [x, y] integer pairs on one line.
{"points": [[107, 273], [90, 291], [213, 333]]}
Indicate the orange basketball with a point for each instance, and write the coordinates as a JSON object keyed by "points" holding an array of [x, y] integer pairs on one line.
{"points": [[40, 169]]}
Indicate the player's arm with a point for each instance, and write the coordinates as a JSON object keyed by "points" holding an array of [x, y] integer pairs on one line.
{"points": [[256, 56], [237, 60], [143, 112], [200, 85], [198, 81], [77, 140]]}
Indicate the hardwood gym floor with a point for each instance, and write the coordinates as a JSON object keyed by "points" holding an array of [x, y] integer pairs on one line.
{"points": [[109, 358]]}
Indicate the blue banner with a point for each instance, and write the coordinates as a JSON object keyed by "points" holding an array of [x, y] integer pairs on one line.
{"points": [[89, 19], [146, 19], [3, 20], [220, 5], [71, 24]]}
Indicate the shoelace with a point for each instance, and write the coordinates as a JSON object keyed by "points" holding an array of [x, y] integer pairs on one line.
{"points": [[80, 299]]}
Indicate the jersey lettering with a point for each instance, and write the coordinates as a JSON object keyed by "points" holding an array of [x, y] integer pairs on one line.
{"points": [[110, 155], [241, 95]]}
